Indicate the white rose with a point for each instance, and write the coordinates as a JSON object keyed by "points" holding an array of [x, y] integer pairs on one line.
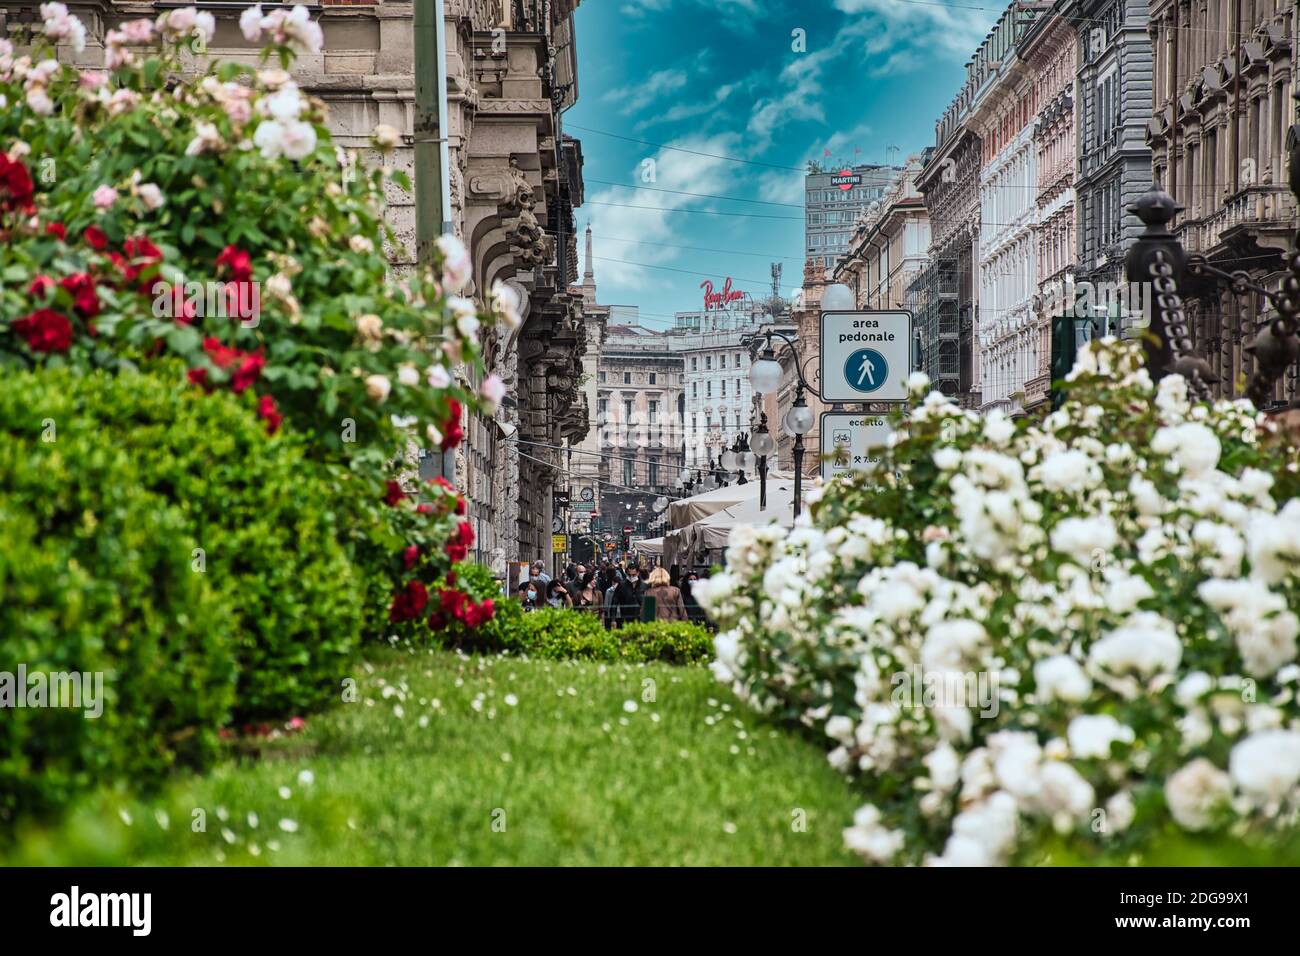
{"points": [[378, 387], [1091, 735], [408, 375], [457, 268], [439, 377], [1195, 792], [1061, 678], [841, 729], [1266, 765]]}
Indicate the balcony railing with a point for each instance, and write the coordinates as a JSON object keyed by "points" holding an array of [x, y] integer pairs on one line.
{"points": [[1259, 206]]}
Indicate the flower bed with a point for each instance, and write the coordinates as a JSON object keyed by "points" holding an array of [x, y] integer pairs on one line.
{"points": [[145, 213], [1081, 630], [205, 230]]}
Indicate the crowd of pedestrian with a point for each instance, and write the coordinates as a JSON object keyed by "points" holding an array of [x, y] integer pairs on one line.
{"points": [[616, 591]]}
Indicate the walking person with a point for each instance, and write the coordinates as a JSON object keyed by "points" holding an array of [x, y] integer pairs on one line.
{"points": [[628, 593], [668, 602], [557, 595], [588, 595]]}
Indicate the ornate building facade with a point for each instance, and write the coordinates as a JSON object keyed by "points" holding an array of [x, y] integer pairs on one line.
{"points": [[890, 245], [1004, 120], [1224, 74], [1114, 162], [1048, 47], [944, 296], [514, 178]]}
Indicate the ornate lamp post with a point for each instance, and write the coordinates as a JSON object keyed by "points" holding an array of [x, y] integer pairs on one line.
{"points": [[763, 444], [765, 377], [1157, 257]]}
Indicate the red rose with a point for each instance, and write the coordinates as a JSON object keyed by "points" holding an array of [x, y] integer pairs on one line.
{"points": [[58, 230], [45, 331], [41, 287], [477, 614], [250, 367], [267, 411], [410, 555], [141, 249], [198, 376], [16, 186], [451, 579], [452, 432], [394, 493], [238, 261], [452, 602], [409, 603], [458, 545], [95, 238], [460, 505], [442, 483], [223, 356], [129, 272], [425, 509], [81, 287]]}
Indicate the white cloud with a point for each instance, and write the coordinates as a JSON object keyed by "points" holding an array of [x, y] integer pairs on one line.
{"points": [[926, 27], [651, 218], [637, 96]]}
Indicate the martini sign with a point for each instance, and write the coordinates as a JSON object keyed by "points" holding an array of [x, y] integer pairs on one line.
{"points": [[846, 179], [866, 356]]}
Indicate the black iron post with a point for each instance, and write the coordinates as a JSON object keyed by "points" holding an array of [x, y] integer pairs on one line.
{"points": [[1157, 257]]}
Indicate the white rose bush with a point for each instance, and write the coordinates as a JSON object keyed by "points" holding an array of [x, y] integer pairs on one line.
{"points": [[1029, 641]]}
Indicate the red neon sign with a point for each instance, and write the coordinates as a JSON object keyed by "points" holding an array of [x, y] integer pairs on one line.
{"points": [[722, 299]]}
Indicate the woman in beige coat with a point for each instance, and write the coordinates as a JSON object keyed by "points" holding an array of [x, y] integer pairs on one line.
{"points": [[669, 605]]}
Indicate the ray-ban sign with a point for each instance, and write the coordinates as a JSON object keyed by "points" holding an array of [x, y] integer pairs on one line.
{"points": [[866, 356]]}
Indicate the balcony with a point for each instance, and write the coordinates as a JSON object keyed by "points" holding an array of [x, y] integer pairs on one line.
{"points": [[1255, 209]]}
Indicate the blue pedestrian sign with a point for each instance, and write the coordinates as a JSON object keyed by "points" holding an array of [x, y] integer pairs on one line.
{"points": [[866, 355], [866, 370]]}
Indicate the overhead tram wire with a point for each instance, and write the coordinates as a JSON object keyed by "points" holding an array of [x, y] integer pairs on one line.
{"points": [[680, 192], [697, 212], [598, 481]]}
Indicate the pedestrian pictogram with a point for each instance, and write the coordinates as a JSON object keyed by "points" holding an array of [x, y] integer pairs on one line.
{"points": [[866, 370]]}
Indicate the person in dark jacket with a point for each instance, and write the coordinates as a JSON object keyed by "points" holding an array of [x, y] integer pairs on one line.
{"points": [[627, 595], [693, 610]]}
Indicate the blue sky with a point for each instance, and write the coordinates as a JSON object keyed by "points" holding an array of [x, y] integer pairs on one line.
{"points": [[721, 78]]}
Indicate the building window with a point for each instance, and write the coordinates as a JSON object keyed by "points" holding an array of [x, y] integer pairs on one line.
{"points": [[654, 412], [695, 389], [708, 363], [724, 388], [628, 472], [627, 378], [600, 377], [695, 364], [603, 405], [722, 361], [708, 389], [654, 474], [652, 378], [738, 388], [627, 409], [737, 360]]}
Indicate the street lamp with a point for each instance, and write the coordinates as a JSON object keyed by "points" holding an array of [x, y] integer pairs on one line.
{"points": [[763, 444], [838, 297], [798, 420]]}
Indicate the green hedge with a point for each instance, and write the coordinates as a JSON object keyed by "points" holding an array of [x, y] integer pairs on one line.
{"points": [[674, 642], [156, 534], [561, 634]]}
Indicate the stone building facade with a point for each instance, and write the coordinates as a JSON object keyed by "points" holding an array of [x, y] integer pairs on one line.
{"points": [[1004, 119], [1048, 47], [1218, 139], [1114, 162], [639, 389], [945, 296], [890, 246], [584, 459], [515, 178]]}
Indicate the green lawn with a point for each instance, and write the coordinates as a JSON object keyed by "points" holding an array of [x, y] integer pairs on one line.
{"points": [[452, 760]]}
